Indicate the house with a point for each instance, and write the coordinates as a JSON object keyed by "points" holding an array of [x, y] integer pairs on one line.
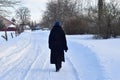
{"points": [[10, 26]]}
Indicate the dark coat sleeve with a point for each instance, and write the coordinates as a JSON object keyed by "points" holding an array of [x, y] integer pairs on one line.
{"points": [[51, 40]]}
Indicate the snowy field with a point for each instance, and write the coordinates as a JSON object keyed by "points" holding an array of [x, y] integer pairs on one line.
{"points": [[26, 57]]}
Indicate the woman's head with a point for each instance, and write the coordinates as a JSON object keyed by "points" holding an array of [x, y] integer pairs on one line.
{"points": [[57, 24]]}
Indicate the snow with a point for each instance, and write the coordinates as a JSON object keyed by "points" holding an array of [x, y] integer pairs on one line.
{"points": [[13, 26], [2, 33], [26, 57]]}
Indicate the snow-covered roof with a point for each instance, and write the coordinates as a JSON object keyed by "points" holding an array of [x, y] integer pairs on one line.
{"points": [[12, 26]]}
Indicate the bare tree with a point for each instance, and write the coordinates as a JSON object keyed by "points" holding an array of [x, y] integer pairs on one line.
{"points": [[107, 19], [5, 4], [23, 16], [111, 16], [59, 10]]}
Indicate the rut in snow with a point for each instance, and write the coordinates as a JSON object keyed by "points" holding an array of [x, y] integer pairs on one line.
{"points": [[85, 61]]}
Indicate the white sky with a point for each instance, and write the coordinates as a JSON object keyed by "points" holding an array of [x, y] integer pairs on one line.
{"points": [[36, 7]]}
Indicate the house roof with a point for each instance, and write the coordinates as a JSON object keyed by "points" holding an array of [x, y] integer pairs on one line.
{"points": [[9, 24], [12, 26], [6, 21]]}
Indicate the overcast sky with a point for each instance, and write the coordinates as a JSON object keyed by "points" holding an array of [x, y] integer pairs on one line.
{"points": [[36, 7]]}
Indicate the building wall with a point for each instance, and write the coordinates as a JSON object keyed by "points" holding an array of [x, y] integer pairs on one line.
{"points": [[6, 21]]}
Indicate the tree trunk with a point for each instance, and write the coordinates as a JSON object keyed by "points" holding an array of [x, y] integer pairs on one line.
{"points": [[100, 16]]}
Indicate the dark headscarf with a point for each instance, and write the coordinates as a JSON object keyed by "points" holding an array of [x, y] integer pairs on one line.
{"points": [[57, 24]]}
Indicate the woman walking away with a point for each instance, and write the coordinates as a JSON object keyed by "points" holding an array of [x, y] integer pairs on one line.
{"points": [[57, 45]]}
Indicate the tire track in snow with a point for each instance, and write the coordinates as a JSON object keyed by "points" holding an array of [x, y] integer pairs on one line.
{"points": [[40, 69], [39, 64], [12, 57], [8, 49], [32, 62], [24, 63], [11, 52], [76, 74], [27, 74], [67, 72], [88, 66], [35, 63], [13, 66], [8, 57]]}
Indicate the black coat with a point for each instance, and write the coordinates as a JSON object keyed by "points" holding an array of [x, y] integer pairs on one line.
{"points": [[57, 44]]}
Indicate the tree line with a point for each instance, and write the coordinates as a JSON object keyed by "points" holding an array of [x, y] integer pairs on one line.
{"points": [[98, 17], [101, 17]]}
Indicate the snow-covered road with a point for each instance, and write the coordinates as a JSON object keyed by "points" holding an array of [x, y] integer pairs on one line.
{"points": [[27, 58]]}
